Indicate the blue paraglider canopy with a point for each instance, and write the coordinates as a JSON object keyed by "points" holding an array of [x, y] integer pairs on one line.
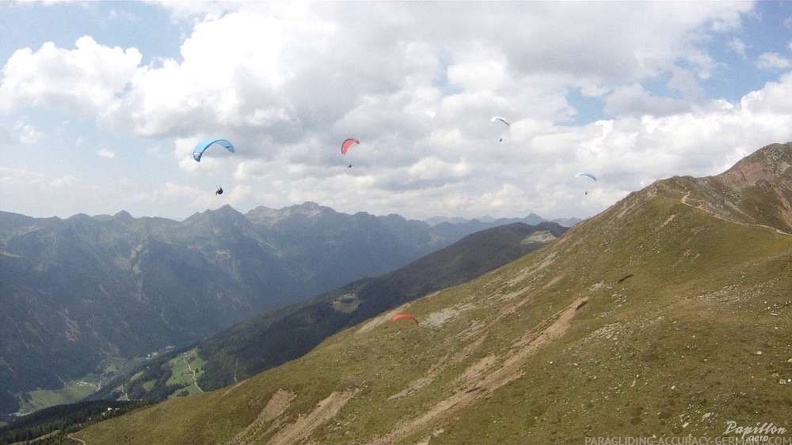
{"points": [[203, 145]]}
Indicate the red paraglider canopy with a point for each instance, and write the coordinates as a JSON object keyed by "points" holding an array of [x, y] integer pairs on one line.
{"points": [[348, 143], [398, 317]]}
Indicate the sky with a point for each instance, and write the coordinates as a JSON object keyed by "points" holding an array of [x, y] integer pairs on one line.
{"points": [[101, 103]]}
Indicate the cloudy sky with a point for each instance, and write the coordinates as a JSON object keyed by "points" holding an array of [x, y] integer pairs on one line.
{"points": [[101, 103]]}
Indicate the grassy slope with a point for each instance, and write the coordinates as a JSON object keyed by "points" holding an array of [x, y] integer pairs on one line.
{"points": [[182, 374], [672, 350], [273, 338], [71, 392]]}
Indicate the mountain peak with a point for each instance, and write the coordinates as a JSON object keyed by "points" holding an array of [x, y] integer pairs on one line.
{"points": [[224, 213], [756, 190], [228, 210], [123, 215], [307, 209], [310, 207], [769, 163]]}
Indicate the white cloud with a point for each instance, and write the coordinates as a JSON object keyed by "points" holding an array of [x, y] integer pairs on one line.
{"points": [[105, 153], [26, 133], [635, 100], [231, 77], [266, 70], [774, 99], [83, 80], [738, 46], [121, 16], [685, 82], [19, 132], [480, 70], [771, 61], [188, 9], [54, 194], [47, 2], [417, 83], [727, 20], [581, 39]]}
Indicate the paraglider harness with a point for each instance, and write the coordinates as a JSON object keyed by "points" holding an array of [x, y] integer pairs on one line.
{"points": [[219, 190]]}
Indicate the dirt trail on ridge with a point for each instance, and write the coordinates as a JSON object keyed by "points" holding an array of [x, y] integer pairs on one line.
{"points": [[494, 376]]}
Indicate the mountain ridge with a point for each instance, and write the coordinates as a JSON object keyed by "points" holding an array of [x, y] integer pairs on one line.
{"points": [[756, 190], [644, 320], [84, 294]]}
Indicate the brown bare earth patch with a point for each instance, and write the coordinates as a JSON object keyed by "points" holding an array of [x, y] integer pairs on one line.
{"points": [[472, 331], [475, 371], [277, 404], [627, 208], [304, 426], [438, 318], [275, 407], [552, 282], [541, 236], [381, 319], [524, 274], [467, 351], [668, 220], [414, 387], [228, 391], [71, 437], [509, 370]]}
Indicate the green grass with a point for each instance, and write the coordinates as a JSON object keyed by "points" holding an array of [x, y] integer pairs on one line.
{"points": [[39, 439], [70, 393], [182, 376], [136, 376], [671, 351]]}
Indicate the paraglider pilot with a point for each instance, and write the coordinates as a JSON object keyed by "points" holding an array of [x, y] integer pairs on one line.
{"points": [[219, 190]]}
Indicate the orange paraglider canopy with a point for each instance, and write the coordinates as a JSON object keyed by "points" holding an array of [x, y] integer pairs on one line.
{"points": [[398, 317]]}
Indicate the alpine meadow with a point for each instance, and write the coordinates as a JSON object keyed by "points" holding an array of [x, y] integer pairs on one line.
{"points": [[667, 315]]}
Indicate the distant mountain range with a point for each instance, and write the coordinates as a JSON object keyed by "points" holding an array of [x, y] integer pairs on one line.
{"points": [[666, 316], [486, 222], [84, 294]]}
